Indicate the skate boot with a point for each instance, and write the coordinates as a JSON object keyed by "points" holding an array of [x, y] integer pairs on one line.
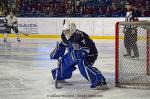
{"points": [[136, 57], [60, 83], [127, 55], [102, 87], [18, 39], [5, 40]]}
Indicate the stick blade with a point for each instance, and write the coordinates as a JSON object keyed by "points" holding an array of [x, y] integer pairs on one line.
{"points": [[64, 21]]}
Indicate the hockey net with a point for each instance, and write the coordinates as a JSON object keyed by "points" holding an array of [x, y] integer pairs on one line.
{"points": [[133, 72]]}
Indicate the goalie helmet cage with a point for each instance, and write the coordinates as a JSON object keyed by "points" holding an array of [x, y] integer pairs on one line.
{"points": [[131, 72]]}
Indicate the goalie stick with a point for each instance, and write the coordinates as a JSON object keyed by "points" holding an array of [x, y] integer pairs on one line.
{"points": [[56, 81]]}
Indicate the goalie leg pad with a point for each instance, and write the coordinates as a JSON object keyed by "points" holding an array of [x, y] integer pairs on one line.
{"points": [[58, 51], [65, 68], [92, 74], [59, 75]]}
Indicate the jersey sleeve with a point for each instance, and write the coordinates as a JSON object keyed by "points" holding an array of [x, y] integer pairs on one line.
{"points": [[15, 23], [63, 39]]}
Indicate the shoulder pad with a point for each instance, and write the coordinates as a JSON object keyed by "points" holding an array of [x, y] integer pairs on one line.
{"points": [[79, 32]]}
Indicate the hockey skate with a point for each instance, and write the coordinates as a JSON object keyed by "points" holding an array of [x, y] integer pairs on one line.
{"points": [[60, 83], [102, 87], [5, 40], [18, 39], [135, 57], [127, 55]]}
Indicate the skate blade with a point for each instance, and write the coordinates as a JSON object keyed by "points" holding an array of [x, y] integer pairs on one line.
{"points": [[59, 85], [104, 87], [56, 85]]}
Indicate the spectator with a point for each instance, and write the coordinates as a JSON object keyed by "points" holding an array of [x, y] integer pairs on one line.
{"points": [[147, 12], [88, 11], [33, 12], [103, 9], [115, 12], [80, 13], [29, 10], [5, 2], [23, 8], [77, 5], [100, 12], [39, 7], [137, 12], [122, 12], [73, 8], [95, 11], [108, 12], [148, 4], [1, 9], [5, 11], [142, 11]]}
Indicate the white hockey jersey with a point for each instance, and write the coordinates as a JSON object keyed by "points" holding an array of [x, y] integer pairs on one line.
{"points": [[11, 21]]}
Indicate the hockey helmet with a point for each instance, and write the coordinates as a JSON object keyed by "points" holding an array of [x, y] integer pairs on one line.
{"points": [[69, 28]]}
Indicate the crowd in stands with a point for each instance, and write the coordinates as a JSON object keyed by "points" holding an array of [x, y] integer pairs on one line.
{"points": [[73, 8]]}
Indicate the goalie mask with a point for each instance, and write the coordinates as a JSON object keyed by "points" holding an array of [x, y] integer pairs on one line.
{"points": [[69, 29]]}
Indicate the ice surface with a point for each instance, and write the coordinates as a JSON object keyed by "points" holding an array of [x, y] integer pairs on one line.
{"points": [[25, 73]]}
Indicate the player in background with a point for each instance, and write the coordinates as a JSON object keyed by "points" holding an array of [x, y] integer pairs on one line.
{"points": [[130, 33], [11, 23], [81, 52]]}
